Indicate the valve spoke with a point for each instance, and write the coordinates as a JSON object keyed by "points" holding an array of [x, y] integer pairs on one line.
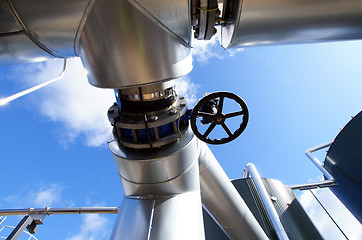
{"points": [[234, 114], [221, 104], [227, 130], [205, 115], [210, 110], [212, 126]]}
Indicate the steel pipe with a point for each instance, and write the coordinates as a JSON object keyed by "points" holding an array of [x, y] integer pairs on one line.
{"points": [[223, 202], [329, 182], [52, 211], [272, 213]]}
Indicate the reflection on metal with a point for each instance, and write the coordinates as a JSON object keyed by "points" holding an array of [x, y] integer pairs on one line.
{"points": [[51, 211], [330, 217], [162, 189], [260, 22], [51, 25], [295, 220], [250, 171], [161, 218], [329, 182], [223, 202], [344, 162], [4, 101], [122, 45]]}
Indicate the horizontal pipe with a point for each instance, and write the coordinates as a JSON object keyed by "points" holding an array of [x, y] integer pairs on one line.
{"points": [[51, 211], [321, 184], [272, 213]]}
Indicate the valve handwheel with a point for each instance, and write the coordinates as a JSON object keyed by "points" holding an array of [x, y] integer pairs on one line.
{"points": [[217, 117]]}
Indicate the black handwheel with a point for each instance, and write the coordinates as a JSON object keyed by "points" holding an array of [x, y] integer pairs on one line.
{"points": [[217, 117]]}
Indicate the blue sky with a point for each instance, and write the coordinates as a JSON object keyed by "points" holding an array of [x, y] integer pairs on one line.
{"points": [[53, 142]]}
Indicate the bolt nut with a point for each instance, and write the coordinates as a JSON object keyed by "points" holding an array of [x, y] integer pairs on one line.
{"points": [[153, 118], [172, 112]]}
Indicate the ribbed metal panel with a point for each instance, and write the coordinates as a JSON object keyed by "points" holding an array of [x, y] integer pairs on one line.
{"points": [[344, 162], [293, 217]]}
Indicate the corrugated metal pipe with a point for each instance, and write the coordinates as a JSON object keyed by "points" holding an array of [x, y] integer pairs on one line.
{"points": [[272, 213]]}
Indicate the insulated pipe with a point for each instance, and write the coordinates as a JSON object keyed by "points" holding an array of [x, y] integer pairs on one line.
{"points": [[223, 202], [272, 213]]}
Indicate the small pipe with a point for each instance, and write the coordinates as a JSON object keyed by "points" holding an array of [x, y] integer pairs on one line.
{"points": [[51, 211], [315, 160], [223, 202], [272, 213], [321, 184]]}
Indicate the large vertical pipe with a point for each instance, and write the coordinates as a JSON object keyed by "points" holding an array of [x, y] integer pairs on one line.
{"points": [[162, 190], [223, 202]]}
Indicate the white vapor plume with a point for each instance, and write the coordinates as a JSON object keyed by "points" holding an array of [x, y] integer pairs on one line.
{"points": [[79, 107]]}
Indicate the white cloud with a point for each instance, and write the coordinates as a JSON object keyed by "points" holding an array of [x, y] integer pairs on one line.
{"points": [[43, 195], [47, 196], [94, 226], [203, 51], [184, 86], [350, 226], [79, 107]]}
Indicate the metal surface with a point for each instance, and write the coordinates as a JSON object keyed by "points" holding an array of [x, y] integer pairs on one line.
{"points": [[272, 213], [51, 211], [329, 182], [164, 171], [162, 191], [223, 202], [18, 48], [267, 22], [295, 220], [124, 46], [19, 229], [52, 25], [173, 15], [173, 217], [149, 93], [344, 162], [8, 22]]}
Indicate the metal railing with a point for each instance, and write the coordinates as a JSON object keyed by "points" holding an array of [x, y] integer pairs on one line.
{"points": [[329, 182]]}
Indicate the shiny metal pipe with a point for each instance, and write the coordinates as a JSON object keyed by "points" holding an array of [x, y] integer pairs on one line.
{"points": [[277, 22], [272, 213], [135, 43], [51, 211], [315, 160], [172, 217], [321, 184], [162, 191], [223, 202]]}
